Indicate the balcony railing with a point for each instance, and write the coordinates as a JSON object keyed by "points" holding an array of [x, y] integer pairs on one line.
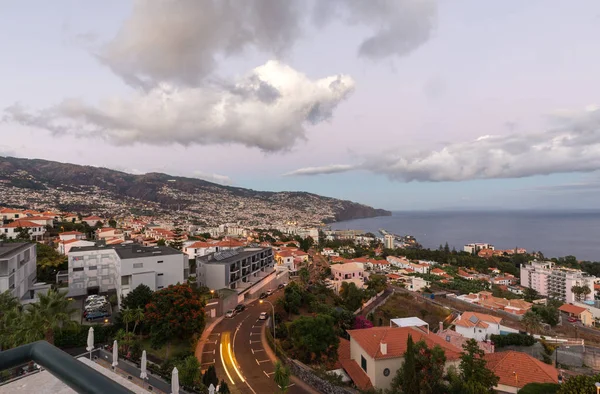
{"points": [[70, 371]]}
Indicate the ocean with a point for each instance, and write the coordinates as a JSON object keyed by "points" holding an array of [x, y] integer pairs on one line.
{"points": [[555, 234]]}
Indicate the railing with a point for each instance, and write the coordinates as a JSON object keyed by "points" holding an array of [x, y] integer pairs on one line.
{"points": [[70, 371]]}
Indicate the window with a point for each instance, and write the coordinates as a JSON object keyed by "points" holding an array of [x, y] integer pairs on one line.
{"points": [[124, 280], [160, 287], [160, 274], [160, 261], [93, 267], [77, 269], [138, 265], [363, 363]]}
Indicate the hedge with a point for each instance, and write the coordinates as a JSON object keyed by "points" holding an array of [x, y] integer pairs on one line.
{"points": [[512, 339], [540, 388], [77, 337]]}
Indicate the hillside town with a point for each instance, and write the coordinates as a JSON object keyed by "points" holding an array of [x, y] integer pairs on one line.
{"points": [[392, 293]]}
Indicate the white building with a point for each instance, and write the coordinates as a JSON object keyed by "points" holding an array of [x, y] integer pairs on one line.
{"points": [[10, 230], [234, 268], [388, 241], [122, 268], [480, 326], [556, 282], [64, 247], [476, 247], [69, 235], [417, 284], [18, 270]]}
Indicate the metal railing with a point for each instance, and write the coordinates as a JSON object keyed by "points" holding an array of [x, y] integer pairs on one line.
{"points": [[70, 371]]}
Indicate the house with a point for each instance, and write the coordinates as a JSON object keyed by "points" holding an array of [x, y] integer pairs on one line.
{"points": [[377, 353], [100, 268], [417, 284], [69, 235], [71, 218], [380, 265], [459, 340], [398, 262], [487, 300], [478, 326], [476, 247], [18, 271], [516, 369], [10, 230], [582, 314], [285, 260], [64, 247], [464, 275], [11, 214], [349, 272], [503, 280], [92, 220], [42, 220], [329, 252], [420, 268]]}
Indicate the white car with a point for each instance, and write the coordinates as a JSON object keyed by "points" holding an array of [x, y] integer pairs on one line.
{"points": [[230, 313], [263, 316]]}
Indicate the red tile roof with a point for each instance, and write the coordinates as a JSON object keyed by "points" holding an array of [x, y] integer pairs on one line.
{"points": [[396, 337], [574, 309], [517, 369], [358, 376], [21, 223]]}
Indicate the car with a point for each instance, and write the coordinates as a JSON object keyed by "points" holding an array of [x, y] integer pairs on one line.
{"points": [[240, 307], [281, 286], [263, 316], [572, 319], [263, 295], [230, 313], [269, 292]]}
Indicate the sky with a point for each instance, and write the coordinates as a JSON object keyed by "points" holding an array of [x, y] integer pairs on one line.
{"points": [[399, 104]]}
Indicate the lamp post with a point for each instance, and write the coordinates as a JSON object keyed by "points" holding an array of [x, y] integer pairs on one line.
{"points": [[597, 388], [273, 307]]}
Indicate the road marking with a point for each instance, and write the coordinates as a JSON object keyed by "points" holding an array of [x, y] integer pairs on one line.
{"points": [[257, 350], [266, 374], [269, 373], [213, 352], [255, 333], [251, 342], [209, 363], [225, 367], [263, 361], [213, 343]]}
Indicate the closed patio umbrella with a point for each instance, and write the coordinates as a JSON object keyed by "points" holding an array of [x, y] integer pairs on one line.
{"points": [[115, 354], [90, 341], [144, 374], [175, 381]]}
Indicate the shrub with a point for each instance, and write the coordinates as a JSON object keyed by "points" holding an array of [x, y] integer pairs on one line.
{"points": [[512, 339], [540, 388], [77, 337]]}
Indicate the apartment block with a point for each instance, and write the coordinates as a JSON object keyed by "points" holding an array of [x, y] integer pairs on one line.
{"points": [[18, 270], [103, 268], [556, 282], [234, 268], [476, 247]]}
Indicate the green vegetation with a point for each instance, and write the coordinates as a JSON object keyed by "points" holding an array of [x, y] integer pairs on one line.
{"points": [[313, 339], [548, 351], [540, 388], [474, 378], [403, 305], [512, 339], [580, 384], [282, 377], [532, 322]]}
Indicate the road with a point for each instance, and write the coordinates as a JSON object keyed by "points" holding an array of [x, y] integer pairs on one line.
{"points": [[236, 350]]}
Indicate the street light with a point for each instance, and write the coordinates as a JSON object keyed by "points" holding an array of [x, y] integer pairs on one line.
{"points": [[597, 388], [270, 303]]}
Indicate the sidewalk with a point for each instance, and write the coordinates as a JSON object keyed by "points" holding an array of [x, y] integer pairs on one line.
{"points": [[305, 387], [207, 331]]}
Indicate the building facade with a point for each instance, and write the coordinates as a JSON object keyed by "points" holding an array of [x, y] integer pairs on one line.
{"points": [[18, 270], [556, 282], [234, 268], [99, 269], [388, 241], [476, 247]]}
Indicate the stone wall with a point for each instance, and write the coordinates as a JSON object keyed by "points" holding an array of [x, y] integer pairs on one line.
{"points": [[306, 374]]}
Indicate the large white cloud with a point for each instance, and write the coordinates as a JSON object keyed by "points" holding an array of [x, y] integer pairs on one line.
{"points": [[268, 108], [571, 144]]}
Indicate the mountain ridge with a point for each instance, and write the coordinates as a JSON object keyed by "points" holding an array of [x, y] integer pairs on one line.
{"points": [[63, 185]]}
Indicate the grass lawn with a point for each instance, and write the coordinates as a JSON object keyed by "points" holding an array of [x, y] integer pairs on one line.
{"points": [[177, 347]]}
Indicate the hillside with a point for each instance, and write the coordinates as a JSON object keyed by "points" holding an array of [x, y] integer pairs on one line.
{"points": [[31, 183]]}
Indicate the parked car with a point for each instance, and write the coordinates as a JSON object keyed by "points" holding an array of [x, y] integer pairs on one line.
{"points": [[269, 292], [240, 308], [572, 319], [263, 295], [263, 316], [96, 315], [281, 286], [230, 313]]}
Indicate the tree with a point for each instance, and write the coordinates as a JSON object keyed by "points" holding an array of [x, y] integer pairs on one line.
{"points": [[377, 283], [304, 275], [174, 312], [292, 298], [10, 310], [580, 384], [548, 351], [138, 316], [282, 377], [161, 242], [177, 242], [406, 377], [210, 377], [351, 295], [42, 319], [223, 388], [549, 314], [189, 371], [532, 322], [137, 298], [475, 376], [112, 223], [128, 317], [530, 294], [23, 233], [430, 364], [49, 261], [361, 322], [314, 339]]}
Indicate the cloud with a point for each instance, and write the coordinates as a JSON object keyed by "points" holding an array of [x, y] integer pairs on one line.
{"points": [[215, 178], [571, 144], [330, 169], [268, 109]]}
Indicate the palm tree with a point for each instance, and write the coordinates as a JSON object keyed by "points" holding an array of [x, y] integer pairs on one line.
{"points": [[532, 322], [138, 316], [128, 316], [40, 320], [282, 377]]}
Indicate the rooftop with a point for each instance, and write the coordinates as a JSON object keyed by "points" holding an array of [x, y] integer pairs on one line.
{"points": [[517, 369], [130, 251], [228, 256], [9, 248]]}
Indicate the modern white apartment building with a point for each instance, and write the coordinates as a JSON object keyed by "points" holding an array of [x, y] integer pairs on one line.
{"points": [[100, 268], [234, 268], [551, 281], [476, 247], [388, 241], [18, 270]]}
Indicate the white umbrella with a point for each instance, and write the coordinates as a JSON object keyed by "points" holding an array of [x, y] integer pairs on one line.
{"points": [[90, 341], [115, 354], [143, 375], [175, 381]]}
